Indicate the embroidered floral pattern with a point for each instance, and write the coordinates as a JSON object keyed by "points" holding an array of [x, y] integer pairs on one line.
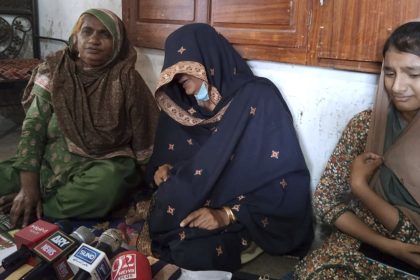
{"points": [[252, 111], [244, 242], [283, 183], [187, 67], [170, 210], [236, 207], [275, 154], [241, 197], [265, 222], [172, 109], [181, 50], [192, 111], [184, 117], [182, 235], [219, 250]]}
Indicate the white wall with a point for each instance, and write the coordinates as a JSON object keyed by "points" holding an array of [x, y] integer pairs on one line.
{"points": [[57, 17], [322, 100]]}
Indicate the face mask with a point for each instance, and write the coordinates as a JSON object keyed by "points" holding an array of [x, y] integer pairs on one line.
{"points": [[202, 94]]}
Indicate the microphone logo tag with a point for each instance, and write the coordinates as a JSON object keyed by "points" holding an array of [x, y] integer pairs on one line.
{"points": [[54, 246], [38, 229], [124, 267], [86, 254], [47, 250], [61, 240]]}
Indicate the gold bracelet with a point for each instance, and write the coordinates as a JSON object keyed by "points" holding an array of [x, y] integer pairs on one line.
{"points": [[230, 214]]}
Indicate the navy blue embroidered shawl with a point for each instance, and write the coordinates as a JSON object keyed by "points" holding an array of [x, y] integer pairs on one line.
{"points": [[244, 154]]}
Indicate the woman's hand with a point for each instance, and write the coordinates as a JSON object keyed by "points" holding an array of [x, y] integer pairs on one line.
{"points": [[362, 169], [23, 205], [408, 253], [206, 218], [28, 199], [162, 174]]}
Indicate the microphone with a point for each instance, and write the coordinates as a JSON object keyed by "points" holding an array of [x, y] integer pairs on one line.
{"points": [[131, 265], [27, 238], [93, 262], [53, 251]]}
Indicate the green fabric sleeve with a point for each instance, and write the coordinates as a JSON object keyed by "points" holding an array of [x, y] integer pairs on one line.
{"points": [[34, 135]]}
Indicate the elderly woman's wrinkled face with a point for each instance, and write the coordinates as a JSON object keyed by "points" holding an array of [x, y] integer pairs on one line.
{"points": [[94, 43], [402, 81], [190, 83]]}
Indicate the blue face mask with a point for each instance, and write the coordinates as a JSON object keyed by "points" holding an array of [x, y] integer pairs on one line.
{"points": [[202, 94]]}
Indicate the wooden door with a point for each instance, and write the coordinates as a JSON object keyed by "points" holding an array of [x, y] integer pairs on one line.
{"points": [[274, 30], [149, 22], [265, 29], [350, 34]]}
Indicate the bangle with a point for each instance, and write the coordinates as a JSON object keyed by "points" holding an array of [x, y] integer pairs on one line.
{"points": [[230, 214]]}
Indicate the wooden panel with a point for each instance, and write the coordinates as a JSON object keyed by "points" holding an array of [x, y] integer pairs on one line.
{"points": [[149, 22], [353, 65], [173, 10], [248, 12], [356, 30], [288, 55], [154, 36], [276, 23]]}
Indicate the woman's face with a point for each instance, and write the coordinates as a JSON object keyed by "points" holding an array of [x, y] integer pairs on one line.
{"points": [[94, 42], [402, 81], [190, 83]]}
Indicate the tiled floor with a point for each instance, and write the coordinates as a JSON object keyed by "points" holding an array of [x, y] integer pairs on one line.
{"points": [[271, 266]]}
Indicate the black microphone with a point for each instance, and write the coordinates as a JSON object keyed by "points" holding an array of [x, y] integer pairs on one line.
{"points": [[27, 238], [90, 261], [53, 251]]}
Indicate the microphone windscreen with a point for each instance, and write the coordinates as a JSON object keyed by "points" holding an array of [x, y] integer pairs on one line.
{"points": [[87, 259], [83, 235], [131, 265], [112, 237]]}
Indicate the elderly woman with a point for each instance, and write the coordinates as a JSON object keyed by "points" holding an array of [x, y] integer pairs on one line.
{"points": [[232, 180], [378, 160], [90, 119]]}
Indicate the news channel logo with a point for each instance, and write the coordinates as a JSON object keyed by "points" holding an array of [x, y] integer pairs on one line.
{"points": [[86, 254]]}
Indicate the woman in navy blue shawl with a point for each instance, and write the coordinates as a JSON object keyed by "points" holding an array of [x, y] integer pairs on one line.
{"points": [[242, 155]]}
